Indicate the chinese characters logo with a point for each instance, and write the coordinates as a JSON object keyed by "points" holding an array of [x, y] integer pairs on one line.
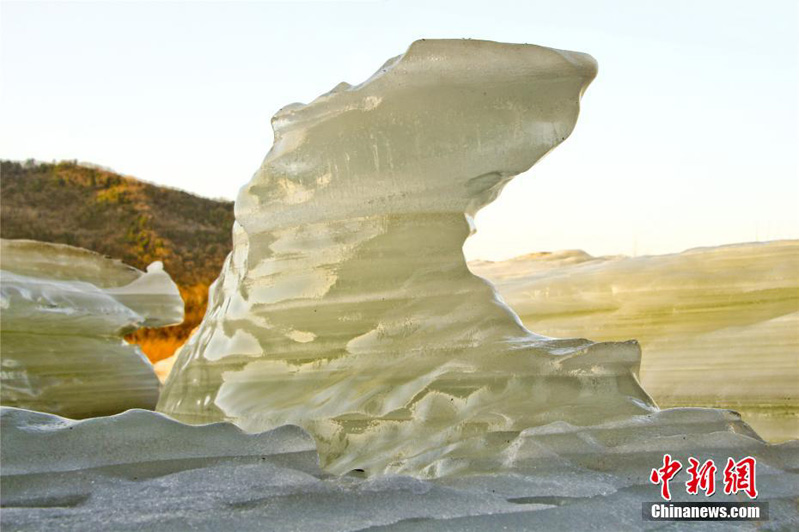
{"points": [[737, 477]]}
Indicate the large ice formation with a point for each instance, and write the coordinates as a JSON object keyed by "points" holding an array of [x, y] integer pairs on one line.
{"points": [[718, 326], [64, 311], [142, 471], [346, 306]]}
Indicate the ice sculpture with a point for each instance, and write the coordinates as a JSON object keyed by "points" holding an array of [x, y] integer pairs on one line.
{"points": [[346, 306], [141, 471], [64, 311], [718, 326]]}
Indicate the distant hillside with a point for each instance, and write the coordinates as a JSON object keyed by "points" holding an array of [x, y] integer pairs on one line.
{"points": [[124, 218]]}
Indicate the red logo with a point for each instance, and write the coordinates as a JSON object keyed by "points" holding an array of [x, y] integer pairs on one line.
{"points": [[703, 477], [665, 474], [738, 476]]}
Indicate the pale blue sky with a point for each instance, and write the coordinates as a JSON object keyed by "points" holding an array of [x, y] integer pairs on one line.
{"points": [[688, 136]]}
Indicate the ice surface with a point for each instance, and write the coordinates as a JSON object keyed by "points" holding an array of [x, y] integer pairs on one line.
{"points": [[718, 326], [64, 310], [346, 306], [140, 470], [65, 263]]}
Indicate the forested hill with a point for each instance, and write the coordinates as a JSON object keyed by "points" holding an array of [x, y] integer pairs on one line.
{"points": [[124, 218]]}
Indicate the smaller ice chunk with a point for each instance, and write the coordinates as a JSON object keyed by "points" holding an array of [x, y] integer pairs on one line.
{"points": [[64, 311]]}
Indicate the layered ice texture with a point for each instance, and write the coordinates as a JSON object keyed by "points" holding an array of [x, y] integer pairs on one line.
{"points": [[718, 326], [142, 471], [64, 312], [346, 306]]}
